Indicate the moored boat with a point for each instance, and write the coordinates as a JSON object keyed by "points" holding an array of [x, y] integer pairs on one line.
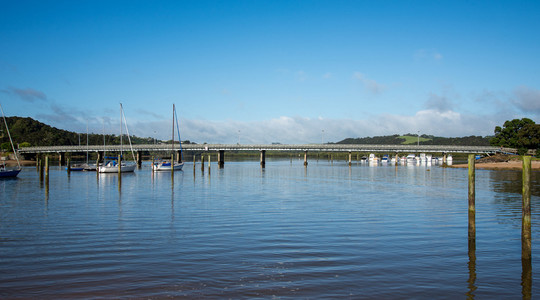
{"points": [[5, 172], [170, 165], [112, 166]]}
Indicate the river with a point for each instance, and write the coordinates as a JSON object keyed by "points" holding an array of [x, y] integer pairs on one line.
{"points": [[286, 231]]}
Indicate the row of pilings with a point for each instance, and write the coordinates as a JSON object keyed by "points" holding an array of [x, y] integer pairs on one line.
{"points": [[526, 258]]}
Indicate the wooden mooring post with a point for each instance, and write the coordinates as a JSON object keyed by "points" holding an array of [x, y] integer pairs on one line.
{"points": [[305, 158], [472, 204], [47, 167], [202, 162], [526, 258], [119, 164], [526, 207], [172, 165]]}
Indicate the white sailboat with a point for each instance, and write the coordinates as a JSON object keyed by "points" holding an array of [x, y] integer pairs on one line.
{"points": [[166, 165], [112, 165], [4, 171]]}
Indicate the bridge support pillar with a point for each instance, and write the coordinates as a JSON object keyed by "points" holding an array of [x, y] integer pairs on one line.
{"points": [[263, 158], [221, 159], [61, 158], [305, 158], [179, 156], [99, 158], [139, 159]]}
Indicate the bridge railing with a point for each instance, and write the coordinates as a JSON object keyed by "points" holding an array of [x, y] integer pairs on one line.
{"points": [[274, 147]]}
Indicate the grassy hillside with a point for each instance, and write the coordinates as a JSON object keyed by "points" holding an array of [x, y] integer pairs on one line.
{"points": [[410, 139]]}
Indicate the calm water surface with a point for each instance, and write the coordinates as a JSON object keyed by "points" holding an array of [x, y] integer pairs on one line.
{"points": [[325, 231]]}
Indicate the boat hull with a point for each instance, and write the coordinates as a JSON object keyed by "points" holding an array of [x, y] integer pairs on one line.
{"points": [[167, 167], [9, 173], [114, 168]]}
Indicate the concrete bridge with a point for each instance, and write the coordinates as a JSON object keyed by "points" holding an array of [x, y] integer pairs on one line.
{"points": [[221, 148]]}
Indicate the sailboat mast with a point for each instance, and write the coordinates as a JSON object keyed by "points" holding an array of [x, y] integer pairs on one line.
{"points": [[121, 114], [10, 140], [179, 139], [172, 130], [87, 142]]}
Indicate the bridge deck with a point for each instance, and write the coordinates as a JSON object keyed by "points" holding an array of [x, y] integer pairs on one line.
{"points": [[273, 147]]}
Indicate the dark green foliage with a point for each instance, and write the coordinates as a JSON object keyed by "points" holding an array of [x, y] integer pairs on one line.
{"points": [[522, 134], [459, 141], [29, 132], [425, 140]]}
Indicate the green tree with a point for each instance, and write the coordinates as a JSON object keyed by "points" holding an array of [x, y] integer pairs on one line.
{"points": [[6, 146], [522, 134]]}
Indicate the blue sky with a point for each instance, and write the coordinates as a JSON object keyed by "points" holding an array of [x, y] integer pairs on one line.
{"points": [[272, 71]]}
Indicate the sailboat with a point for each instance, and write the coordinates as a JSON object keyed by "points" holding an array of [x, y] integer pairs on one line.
{"points": [[170, 165], [112, 165], [4, 171]]}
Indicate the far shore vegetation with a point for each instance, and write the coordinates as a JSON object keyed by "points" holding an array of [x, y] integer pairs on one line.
{"points": [[521, 134]]}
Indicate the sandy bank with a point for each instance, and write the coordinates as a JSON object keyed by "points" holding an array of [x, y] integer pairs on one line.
{"points": [[509, 165]]}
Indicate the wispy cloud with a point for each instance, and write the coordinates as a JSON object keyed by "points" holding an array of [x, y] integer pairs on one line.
{"points": [[527, 99], [428, 54], [28, 94], [439, 103], [301, 76], [370, 84]]}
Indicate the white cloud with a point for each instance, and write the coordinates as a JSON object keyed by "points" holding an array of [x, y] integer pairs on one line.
{"points": [[303, 130], [527, 99], [439, 103]]}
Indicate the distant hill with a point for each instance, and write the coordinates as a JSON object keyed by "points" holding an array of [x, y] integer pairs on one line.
{"points": [[35, 133], [410, 139]]}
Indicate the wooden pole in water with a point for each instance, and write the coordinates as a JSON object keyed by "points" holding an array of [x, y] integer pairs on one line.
{"points": [[47, 166], [350, 158], [172, 164], [68, 165], [40, 169], [472, 205], [119, 164], [208, 163], [305, 158], [194, 161], [526, 215], [202, 162]]}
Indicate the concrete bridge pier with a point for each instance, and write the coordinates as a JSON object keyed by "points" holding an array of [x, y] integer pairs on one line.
{"points": [[221, 159], [305, 158], [179, 156], [61, 158], [139, 159], [99, 159], [263, 158]]}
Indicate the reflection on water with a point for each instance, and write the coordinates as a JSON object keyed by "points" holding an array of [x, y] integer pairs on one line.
{"points": [[325, 231]]}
